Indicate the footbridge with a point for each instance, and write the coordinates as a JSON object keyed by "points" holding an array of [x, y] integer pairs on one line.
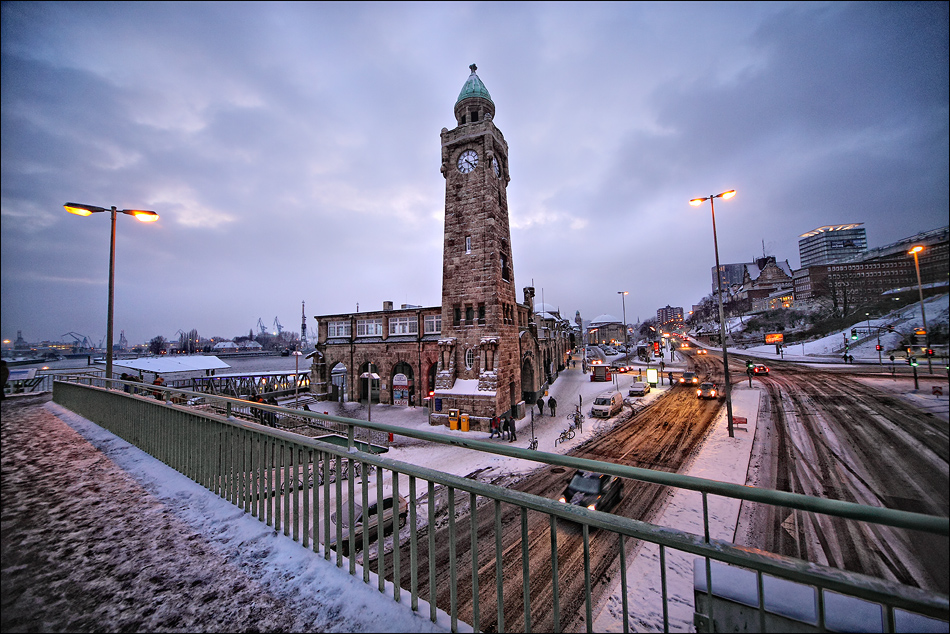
{"points": [[301, 486]]}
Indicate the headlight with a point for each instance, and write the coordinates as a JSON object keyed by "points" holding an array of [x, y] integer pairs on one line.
{"points": [[562, 500], [699, 392], [592, 507]]}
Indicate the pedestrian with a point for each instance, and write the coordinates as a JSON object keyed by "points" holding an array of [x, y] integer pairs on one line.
{"points": [[493, 426], [126, 377], [552, 405], [851, 359], [512, 432], [158, 381], [541, 405]]}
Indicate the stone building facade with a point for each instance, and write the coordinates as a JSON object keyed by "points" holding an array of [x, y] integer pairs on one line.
{"points": [[480, 351]]}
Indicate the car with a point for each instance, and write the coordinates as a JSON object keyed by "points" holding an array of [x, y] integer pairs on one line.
{"points": [[760, 370], [689, 378], [702, 351], [706, 391], [607, 404], [392, 509], [639, 389], [596, 491]]}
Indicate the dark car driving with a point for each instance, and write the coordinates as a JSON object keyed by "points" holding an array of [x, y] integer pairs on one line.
{"points": [[596, 491]]}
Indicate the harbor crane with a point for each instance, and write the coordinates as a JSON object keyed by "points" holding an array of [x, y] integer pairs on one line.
{"points": [[82, 341], [260, 326], [278, 326]]}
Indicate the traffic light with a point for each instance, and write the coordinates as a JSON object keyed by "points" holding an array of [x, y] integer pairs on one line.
{"points": [[930, 352], [878, 347], [854, 333], [912, 361]]}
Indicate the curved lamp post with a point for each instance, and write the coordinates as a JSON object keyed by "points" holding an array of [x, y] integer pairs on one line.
{"points": [[920, 289], [139, 214], [696, 202]]}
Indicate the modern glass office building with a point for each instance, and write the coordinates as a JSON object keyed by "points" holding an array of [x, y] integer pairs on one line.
{"points": [[832, 243]]}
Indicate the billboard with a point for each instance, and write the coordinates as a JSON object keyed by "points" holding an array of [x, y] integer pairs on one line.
{"points": [[774, 337]]}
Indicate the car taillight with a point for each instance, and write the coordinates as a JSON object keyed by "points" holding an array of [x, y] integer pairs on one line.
{"points": [[699, 392], [562, 500], [592, 507]]}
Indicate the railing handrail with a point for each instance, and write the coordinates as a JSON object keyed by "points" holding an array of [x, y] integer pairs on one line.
{"points": [[892, 594], [890, 517]]}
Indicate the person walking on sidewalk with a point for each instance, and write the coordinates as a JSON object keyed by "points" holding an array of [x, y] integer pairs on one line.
{"points": [[552, 405], [541, 405]]}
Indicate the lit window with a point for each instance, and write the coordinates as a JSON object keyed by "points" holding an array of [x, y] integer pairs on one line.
{"points": [[369, 327], [403, 326], [433, 324], [338, 329]]}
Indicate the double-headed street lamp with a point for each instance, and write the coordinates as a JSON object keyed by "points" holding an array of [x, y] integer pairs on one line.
{"points": [[139, 214], [626, 336], [920, 289], [696, 202]]}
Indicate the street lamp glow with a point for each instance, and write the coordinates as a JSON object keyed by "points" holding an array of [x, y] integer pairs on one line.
{"points": [[696, 202], [920, 289], [916, 249], [142, 215]]}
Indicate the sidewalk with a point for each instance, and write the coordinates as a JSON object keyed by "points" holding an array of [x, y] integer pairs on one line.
{"points": [[99, 536]]}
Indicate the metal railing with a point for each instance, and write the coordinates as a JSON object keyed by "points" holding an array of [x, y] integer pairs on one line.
{"points": [[295, 484]]}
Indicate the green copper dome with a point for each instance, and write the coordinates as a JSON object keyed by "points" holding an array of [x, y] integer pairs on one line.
{"points": [[473, 88]]}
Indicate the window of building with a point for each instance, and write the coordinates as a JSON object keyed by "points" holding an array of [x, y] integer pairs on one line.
{"points": [[505, 273], [338, 329], [403, 326], [369, 327], [469, 314], [470, 358], [474, 116], [432, 324], [481, 313], [457, 316], [468, 244]]}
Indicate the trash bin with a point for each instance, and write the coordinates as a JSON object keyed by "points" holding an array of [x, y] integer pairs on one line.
{"points": [[464, 422], [453, 419]]}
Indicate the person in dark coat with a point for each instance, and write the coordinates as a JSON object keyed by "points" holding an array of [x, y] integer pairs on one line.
{"points": [[552, 405], [512, 432], [541, 405]]}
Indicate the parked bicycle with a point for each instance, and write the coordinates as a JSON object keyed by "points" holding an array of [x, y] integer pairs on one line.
{"points": [[567, 434], [533, 444]]}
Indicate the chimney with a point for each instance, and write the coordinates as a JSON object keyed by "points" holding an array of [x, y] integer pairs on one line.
{"points": [[387, 305]]}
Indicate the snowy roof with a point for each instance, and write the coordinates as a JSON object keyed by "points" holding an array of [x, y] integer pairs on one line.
{"points": [[605, 319], [176, 363], [465, 386], [225, 344], [541, 307]]}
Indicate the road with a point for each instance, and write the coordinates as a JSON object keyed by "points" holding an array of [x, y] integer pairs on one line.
{"points": [[824, 434], [661, 437], [819, 433]]}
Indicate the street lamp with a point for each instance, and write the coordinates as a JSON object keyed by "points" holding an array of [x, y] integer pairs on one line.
{"points": [[696, 202], [917, 249], [626, 335], [139, 214]]}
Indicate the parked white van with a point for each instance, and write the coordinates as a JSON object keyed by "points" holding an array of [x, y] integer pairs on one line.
{"points": [[607, 404]]}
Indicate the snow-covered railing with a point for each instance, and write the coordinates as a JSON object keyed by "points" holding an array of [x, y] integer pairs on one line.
{"points": [[295, 484]]}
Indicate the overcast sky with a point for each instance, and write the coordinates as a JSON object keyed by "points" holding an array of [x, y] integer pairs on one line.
{"points": [[293, 150]]}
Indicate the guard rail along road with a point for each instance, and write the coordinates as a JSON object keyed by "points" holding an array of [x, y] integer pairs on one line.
{"points": [[266, 472]]}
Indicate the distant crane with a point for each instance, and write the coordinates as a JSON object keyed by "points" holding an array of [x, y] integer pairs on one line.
{"points": [[277, 326], [260, 326], [82, 341], [303, 326]]}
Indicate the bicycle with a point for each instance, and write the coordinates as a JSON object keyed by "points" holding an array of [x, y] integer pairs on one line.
{"points": [[567, 434], [533, 444]]}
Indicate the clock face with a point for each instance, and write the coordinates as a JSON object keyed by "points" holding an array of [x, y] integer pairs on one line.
{"points": [[467, 161], [494, 164]]}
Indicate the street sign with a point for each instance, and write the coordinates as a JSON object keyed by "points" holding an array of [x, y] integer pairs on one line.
{"points": [[774, 337]]}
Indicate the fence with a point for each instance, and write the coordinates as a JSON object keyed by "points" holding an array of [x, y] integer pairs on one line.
{"points": [[295, 484]]}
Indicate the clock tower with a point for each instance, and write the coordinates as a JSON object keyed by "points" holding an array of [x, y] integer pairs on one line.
{"points": [[479, 371]]}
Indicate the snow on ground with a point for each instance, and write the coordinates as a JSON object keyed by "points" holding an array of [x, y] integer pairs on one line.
{"points": [[936, 309], [297, 575]]}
